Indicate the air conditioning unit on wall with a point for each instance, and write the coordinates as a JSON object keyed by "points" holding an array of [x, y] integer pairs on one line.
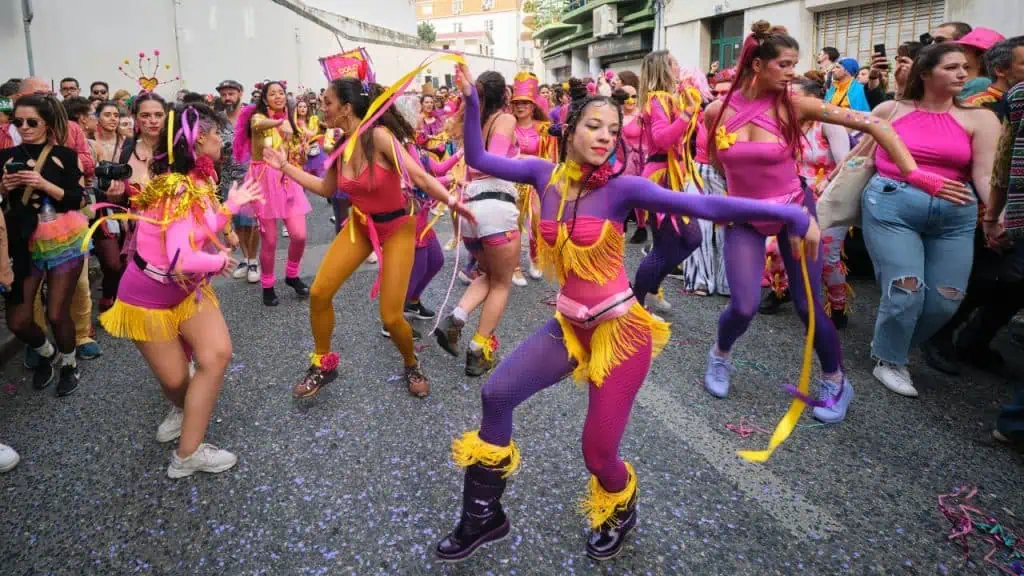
{"points": [[606, 21]]}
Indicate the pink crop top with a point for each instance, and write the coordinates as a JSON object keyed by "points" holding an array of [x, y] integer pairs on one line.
{"points": [[702, 156], [185, 238], [528, 139], [759, 170], [937, 142], [631, 131], [498, 145]]}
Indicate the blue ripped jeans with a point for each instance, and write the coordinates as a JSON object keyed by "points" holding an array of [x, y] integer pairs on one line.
{"points": [[922, 249]]}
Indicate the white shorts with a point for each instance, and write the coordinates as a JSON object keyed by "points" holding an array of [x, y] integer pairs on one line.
{"points": [[493, 216]]}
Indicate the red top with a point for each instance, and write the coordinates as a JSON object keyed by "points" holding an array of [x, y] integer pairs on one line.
{"points": [[382, 196]]}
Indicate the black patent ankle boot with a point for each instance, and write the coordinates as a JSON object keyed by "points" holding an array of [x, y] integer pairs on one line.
{"points": [[606, 541], [483, 520]]}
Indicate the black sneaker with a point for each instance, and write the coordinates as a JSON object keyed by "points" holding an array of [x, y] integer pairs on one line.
{"points": [[839, 319], [415, 333], [298, 285], [270, 297], [771, 302], [677, 273], [639, 237], [938, 353], [46, 372], [419, 311], [68, 383]]}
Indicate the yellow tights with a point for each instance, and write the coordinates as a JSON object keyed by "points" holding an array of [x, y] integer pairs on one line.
{"points": [[343, 257]]}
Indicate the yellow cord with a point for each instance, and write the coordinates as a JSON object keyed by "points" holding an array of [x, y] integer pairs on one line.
{"points": [[788, 422]]}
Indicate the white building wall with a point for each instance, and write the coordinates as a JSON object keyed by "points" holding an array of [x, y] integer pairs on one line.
{"points": [[506, 42], [398, 15], [689, 42], [1005, 16], [246, 40]]}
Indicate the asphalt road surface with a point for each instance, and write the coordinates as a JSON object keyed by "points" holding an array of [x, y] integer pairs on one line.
{"points": [[359, 481]]}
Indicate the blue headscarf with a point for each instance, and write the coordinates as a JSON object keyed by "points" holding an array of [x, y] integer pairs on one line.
{"points": [[855, 96]]}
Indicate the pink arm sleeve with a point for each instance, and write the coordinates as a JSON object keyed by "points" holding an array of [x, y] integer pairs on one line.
{"points": [[665, 133], [223, 217], [441, 168], [190, 260]]}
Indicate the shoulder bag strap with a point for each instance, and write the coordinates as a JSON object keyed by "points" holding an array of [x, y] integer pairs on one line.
{"points": [[43, 156]]}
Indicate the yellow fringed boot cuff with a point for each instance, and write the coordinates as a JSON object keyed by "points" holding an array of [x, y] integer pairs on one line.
{"points": [[599, 506], [470, 449]]}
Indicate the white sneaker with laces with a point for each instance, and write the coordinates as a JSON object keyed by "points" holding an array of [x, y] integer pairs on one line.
{"points": [[253, 274], [8, 458], [240, 271], [170, 428], [518, 279], [535, 272], [208, 458], [659, 302], [895, 378]]}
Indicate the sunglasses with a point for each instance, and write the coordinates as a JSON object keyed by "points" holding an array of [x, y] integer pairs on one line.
{"points": [[630, 99], [19, 122]]}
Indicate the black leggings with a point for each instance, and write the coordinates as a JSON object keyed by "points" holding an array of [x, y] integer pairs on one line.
{"points": [[108, 252], [60, 290]]}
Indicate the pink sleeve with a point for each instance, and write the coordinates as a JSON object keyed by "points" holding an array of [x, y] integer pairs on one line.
{"points": [[441, 168], [664, 132], [78, 142], [189, 260]]}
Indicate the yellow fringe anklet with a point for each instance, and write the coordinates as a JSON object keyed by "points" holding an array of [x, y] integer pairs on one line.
{"points": [[599, 505], [470, 449]]}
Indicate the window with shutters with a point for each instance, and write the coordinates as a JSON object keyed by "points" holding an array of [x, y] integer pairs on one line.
{"points": [[855, 31]]}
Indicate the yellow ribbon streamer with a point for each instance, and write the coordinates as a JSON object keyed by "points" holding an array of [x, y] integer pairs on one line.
{"points": [[388, 95], [170, 137], [119, 216], [788, 422]]}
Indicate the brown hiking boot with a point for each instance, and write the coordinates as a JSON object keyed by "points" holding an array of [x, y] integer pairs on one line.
{"points": [[477, 363], [316, 378], [417, 382], [449, 333]]}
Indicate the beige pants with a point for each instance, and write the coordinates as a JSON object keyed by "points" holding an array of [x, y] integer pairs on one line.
{"points": [[81, 309]]}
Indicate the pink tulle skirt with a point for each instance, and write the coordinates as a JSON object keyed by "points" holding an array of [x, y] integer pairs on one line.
{"points": [[282, 196]]}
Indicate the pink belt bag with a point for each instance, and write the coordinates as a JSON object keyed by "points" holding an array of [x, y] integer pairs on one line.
{"points": [[588, 317]]}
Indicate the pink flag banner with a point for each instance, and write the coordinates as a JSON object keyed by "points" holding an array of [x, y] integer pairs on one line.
{"points": [[352, 64]]}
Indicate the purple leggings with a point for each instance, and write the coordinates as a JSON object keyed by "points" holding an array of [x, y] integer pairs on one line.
{"points": [[542, 361], [428, 262], [670, 249], [744, 266]]}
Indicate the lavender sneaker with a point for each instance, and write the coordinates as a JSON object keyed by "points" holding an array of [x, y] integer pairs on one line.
{"points": [[836, 397], [716, 378]]}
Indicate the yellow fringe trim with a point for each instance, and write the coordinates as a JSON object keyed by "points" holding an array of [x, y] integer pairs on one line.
{"points": [[470, 449], [154, 325], [599, 262], [613, 342], [177, 195], [599, 506]]}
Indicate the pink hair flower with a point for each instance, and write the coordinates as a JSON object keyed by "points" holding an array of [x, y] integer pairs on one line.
{"points": [[156, 52], [142, 54]]}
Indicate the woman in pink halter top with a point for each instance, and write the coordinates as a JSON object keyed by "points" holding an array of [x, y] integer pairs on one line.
{"points": [[920, 240], [754, 134]]}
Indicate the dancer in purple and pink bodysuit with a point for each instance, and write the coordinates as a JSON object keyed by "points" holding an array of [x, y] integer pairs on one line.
{"points": [[751, 138], [664, 125], [600, 333]]}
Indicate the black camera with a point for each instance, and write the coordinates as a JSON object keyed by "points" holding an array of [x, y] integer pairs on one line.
{"points": [[107, 172]]}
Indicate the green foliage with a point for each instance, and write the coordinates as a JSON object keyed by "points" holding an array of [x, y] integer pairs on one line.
{"points": [[426, 32]]}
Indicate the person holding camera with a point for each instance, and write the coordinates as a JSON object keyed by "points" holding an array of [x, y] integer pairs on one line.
{"points": [[112, 172], [42, 189]]}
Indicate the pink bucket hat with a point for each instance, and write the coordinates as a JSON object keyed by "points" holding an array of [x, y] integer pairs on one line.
{"points": [[981, 38]]}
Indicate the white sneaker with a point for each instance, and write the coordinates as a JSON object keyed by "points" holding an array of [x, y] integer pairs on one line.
{"points": [[8, 458], [658, 301], [372, 258], [895, 378], [284, 232], [253, 274], [208, 458], [170, 428], [241, 270], [535, 272], [450, 245], [518, 279]]}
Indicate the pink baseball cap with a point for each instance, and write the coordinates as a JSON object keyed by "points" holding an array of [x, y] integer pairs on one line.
{"points": [[981, 38]]}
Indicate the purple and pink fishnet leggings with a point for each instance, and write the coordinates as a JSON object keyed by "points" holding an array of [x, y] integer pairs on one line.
{"points": [[744, 266], [542, 361], [427, 263]]}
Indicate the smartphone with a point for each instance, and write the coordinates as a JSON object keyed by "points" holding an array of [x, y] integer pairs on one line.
{"points": [[880, 49], [15, 166]]}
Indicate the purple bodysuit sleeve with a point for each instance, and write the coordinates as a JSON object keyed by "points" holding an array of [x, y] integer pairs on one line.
{"points": [[532, 171], [665, 133], [641, 193]]}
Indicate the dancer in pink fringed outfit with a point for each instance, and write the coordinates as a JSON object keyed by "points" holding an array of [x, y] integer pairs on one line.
{"points": [[267, 124]]}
